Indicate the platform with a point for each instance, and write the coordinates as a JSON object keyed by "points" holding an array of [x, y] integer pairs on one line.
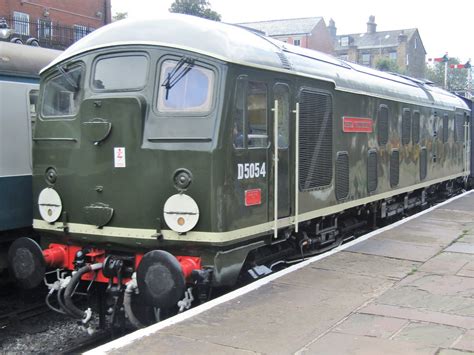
{"points": [[406, 289]]}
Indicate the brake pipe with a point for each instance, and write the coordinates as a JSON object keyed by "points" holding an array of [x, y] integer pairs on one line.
{"points": [[69, 304]]}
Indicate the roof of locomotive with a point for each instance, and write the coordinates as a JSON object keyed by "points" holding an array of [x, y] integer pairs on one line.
{"points": [[24, 61], [234, 44]]}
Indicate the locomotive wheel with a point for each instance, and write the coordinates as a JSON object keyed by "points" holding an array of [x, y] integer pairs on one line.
{"points": [[26, 262], [160, 279]]}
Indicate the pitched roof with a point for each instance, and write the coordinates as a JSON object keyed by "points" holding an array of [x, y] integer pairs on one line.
{"points": [[293, 26], [374, 40]]}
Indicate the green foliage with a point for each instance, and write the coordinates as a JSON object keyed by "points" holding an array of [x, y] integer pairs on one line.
{"points": [[457, 78], [119, 16], [389, 65], [200, 8]]}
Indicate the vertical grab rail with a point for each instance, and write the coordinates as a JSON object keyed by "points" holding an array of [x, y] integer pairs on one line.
{"points": [[297, 162], [275, 159]]}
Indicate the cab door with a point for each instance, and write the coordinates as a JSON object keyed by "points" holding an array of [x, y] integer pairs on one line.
{"points": [[281, 149], [251, 153]]}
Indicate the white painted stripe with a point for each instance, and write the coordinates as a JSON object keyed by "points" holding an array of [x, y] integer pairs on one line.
{"points": [[132, 337]]}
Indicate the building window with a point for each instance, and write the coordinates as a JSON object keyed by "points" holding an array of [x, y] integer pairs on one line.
{"points": [[297, 42], [80, 31], [45, 29], [392, 55], [416, 43], [21, 23], [344, 41], [366, 59], [344, 57], [407, 60]]}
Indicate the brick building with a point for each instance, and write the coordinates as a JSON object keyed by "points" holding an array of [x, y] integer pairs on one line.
{"points": [[52, 23], [310, 32], [404, 47]]}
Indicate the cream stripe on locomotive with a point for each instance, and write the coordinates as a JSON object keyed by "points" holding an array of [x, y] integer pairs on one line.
{"points": [[243, 233]]}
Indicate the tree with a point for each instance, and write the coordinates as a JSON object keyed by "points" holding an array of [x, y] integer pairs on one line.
{"points": [[387, 64], [200, 8], [119, 16], [457, 78]]}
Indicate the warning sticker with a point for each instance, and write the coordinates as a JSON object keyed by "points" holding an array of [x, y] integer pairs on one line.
{"points": [[119, 157]]}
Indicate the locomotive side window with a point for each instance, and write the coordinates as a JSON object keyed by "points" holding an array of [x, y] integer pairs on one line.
{"points": [[406, 126], [105, 73], [185, 87], [62, 93], [382, 125], [282, 95], [250, 114], [257, 114], [445, 128], [415, 132]]}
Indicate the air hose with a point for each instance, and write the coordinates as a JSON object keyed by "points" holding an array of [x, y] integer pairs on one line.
{"points": [[71, 287], [127, 302]]}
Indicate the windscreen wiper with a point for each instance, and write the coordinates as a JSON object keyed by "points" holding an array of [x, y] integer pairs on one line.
{"points": [[184, 65], [68, 77]]}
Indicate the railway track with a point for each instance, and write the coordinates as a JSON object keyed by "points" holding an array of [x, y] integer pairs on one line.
{"points": [[17, 316]]}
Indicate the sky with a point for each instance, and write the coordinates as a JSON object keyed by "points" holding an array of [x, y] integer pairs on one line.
{"points": [[443, 28]]}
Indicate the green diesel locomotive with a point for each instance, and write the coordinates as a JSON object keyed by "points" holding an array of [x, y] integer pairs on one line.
{"points": [[175, 155]]}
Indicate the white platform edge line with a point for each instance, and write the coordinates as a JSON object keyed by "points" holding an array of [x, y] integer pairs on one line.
{"points": [[129, 338]]}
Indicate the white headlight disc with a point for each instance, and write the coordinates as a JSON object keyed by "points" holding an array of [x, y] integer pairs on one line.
{"points": [[50, 205], [181, 213]]}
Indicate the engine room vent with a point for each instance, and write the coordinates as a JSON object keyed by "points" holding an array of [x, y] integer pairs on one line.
{"points": [[372, 179], [415, 131], [423, 163], [394, 168], [284, 61], [459, 128], [382, 125], [315, 132], [445, 128], [406, 126], [342, 175]]}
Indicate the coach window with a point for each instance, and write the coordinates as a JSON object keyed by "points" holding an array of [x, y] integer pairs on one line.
{"points": [[32, 103], [133, 71], [63, 92], [185, 87]]}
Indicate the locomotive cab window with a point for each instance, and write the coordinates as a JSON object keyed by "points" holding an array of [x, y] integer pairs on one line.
{"points": [[63, 92], [105, 72], [250, 115], [185, 87]]}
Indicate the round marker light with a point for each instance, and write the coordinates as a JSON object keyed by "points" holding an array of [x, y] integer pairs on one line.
{"points": [[182, 178], [181, 221], [51, 175]]}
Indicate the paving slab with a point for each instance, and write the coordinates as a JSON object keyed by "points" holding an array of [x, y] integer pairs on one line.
{"points": [[416, 314], [368, 265], [447, 263], [346, 344], [465, 342], [429, 334], [464, 248], [467, 270], [371, 325], [395, 249]]}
